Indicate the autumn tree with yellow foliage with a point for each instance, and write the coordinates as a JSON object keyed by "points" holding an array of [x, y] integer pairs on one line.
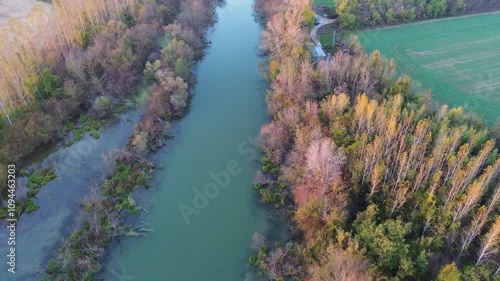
{"points": [[371, 169]]}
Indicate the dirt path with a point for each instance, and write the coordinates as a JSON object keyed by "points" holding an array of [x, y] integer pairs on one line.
{"points": [[322, 22]]}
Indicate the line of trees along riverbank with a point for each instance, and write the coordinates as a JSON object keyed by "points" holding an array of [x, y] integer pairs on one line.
{"points": [[378, 181], [170, 74], [363, 13], [29, 45], [92, 71], [50, 77]]}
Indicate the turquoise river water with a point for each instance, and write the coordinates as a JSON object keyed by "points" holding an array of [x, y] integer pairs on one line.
{"points": [[202, 206]]}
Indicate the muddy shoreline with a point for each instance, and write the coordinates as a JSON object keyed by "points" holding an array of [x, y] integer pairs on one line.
{"points": [[13, 9]]}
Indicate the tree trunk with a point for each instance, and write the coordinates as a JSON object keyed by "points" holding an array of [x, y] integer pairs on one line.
{"points": [[6, 113]]}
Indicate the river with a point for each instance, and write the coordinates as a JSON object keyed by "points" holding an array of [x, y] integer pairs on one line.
{"points": [[39, 234], [202, 226]]}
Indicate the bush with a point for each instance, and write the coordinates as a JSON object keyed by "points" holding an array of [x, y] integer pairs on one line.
{"points": [[41, 178], [101, 106], [52, 267], [181, 68], [127, 18], [177, 49], [30, 206], [46, 85], [252, 260], [94, 133], [150, 70], [309, 18], [449, 273], [126, 176], [3, 212]]}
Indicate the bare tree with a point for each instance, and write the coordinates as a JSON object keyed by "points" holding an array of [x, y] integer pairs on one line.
{"points": [[491, 242]]}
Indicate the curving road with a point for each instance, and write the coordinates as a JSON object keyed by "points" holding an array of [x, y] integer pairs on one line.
{"points": [[322, 22]]}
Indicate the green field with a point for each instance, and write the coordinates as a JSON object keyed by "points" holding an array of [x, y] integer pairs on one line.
{"points": [[324, 3], [326, 39], [457, 58]]}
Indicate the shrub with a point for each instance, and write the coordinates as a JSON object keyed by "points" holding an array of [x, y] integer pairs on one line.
{"points": [[309, 17], [177, 49], [181, 68], [127, 18], [3, 212], [94, 133], [252, 260], [30, 206], [150, 70], [46, 85], [52, 267], [101, 106], [449, 272], [41, 178]]}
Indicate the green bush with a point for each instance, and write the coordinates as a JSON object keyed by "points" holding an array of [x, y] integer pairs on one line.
{"points": [[46, 85], [252, 260], [78, 136], [30, 206], [41, 178], [87, 124], [449, 272], [101, 106], [3, 212], [52, 267], [125, 178], [181, 68], [267, 196], [68, 126], [33, 191], [94, 133], [127, 18], [268, 166]]}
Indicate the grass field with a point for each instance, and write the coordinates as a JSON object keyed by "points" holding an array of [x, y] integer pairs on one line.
{"points": [[326, 39], [324, 3], [457, 58]]}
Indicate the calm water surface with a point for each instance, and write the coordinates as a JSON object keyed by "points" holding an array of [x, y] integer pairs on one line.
{"points": [[209, 240]]}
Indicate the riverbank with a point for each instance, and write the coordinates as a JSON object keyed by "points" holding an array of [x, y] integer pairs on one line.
{"points": [[171, 77], [381, 182], [213, 157], [135, 41], [65, 83], [78, 168]]}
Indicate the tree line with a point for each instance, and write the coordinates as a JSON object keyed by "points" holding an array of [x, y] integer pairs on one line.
{"points": [[40, 40], [379, 181], [168, 71], [362, 13], [94, 78]]}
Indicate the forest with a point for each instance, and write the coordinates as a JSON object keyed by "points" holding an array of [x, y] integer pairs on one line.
{"points": [[91, 62], [362, 13], [131, 53], [378, 181]]}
